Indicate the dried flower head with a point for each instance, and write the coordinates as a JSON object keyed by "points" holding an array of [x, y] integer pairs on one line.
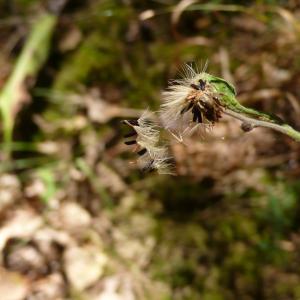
{"points": [[145, 135], [190, 103], [195, 102]]}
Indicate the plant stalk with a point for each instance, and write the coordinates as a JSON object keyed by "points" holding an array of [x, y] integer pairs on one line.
{"points": [[29, 62], [253, 123]]}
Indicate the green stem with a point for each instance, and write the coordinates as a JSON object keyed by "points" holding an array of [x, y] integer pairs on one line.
{"points": [[27, 65], [250, 117], [253, 123]]}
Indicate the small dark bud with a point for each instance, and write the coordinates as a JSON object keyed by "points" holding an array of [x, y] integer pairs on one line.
{"points": [[142, 152], [130, 143], [246, 127], [130, 134], [194, 86], [202, 84]]}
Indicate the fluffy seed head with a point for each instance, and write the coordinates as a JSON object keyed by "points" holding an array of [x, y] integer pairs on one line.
{"points": [[190, 103], [145, 135]]}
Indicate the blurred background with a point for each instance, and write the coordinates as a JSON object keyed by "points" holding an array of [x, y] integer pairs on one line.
{"points": [[78, 219]]}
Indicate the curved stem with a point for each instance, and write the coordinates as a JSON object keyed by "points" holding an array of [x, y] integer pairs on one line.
{"points": [[284, 128]]}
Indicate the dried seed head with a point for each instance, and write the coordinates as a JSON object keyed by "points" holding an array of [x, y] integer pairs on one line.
{"points": [[190, 103], [158, 159], [145, 135]]}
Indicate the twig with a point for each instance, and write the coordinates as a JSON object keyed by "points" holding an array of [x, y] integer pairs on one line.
{"points": [[251, 123]]}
